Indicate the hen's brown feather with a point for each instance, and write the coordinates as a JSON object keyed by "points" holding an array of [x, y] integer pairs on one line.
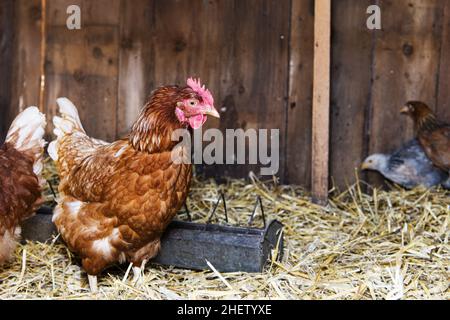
{"points": [[20, 190], [437, 146], [118, 198], [433, 134], [20, 181]]}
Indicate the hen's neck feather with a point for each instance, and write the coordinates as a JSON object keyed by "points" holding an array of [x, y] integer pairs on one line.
{"points": [[427, 123], [153, 129]]}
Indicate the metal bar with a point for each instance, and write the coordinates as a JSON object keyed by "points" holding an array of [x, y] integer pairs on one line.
{"points": [[213, 212], [258, 201], [188, 213], [52, 190]]}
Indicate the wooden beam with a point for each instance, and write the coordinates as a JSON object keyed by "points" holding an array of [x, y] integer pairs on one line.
{"points": [[321, 101]]}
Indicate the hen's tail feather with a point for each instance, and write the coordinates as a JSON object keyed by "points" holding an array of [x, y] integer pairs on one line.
{"points": [[26, 134], [67, 123], [69, 120]]}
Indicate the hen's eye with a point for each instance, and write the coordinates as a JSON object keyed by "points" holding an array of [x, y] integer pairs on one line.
{"points": [[192, 103]]}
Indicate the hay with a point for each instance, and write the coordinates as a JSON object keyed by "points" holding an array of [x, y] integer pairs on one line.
{"points": [[386, 245]]}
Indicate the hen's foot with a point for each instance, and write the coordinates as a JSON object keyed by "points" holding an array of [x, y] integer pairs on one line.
{"points": [[138, 273], [93, 283]]}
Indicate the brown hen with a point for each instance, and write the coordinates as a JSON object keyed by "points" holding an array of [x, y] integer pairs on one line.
{"points": [[432, 133], [116, 199], [20, 176]]}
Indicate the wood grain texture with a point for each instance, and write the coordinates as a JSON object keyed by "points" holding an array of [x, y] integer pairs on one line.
{"points": [[235, 47], [298, 141], [321, 101], [443, 99], [26, 55], [160, 46], [6, 63], [260, 70], [256, 56], [136, 68], [405, 68], [352, 55], [83, 64], [97, 12]]}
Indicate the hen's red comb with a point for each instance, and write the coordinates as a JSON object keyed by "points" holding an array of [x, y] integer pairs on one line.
{"points": [[201, 90]]}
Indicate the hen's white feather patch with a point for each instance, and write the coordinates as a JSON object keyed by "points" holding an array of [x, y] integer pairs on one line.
{"points": [[103, 246], [119, 153], [68, 122], [74, 207], [52, 150], [8, 243], [69, 112], [27, 129], [56, 212], [26, 134]]}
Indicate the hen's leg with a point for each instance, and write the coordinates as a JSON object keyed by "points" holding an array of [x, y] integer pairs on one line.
{"points": [[93, 267], [93, 283], [8, 243], [137, 272], [140, 257]]}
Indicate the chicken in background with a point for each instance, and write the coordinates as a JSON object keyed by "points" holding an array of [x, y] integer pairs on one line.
{"points": [[21, 164], [116, 199], [432, 133], [408, 167]]}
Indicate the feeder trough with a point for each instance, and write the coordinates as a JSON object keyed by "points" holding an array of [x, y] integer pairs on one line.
{"points": [[190, 245]]}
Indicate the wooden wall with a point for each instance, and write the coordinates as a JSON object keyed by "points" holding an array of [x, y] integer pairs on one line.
{"points": [[6, 41], [256, 56], [375, 72]]}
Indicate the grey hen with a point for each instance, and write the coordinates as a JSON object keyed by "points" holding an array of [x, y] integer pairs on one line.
{"points": [[409, 167]]}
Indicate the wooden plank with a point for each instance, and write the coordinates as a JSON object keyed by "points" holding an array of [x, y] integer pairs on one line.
{"points": [[443, 101], [6, 62], [260, 72], [223, 42], [83, 64], [321, 101], [298, 150], [97, 12], [136, 67], [160, 47], [27, 58], [406, 68], [352, 58]]}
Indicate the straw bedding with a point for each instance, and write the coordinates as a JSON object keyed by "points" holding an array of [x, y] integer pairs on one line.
{"points": [[381, 245]]}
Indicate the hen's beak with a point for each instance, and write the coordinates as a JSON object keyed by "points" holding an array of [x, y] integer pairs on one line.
{"points": [[212, 112], [365, 166], [404, 110]]}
